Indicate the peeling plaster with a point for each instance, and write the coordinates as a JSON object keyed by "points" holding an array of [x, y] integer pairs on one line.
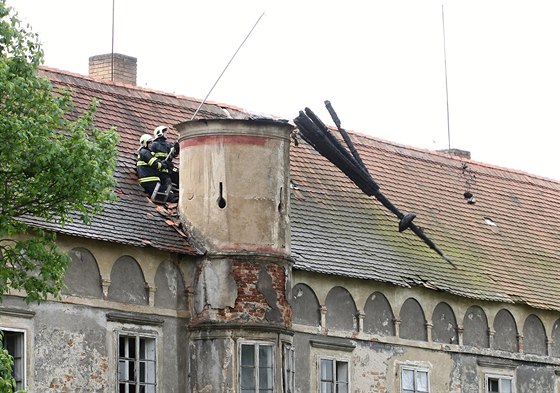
{"points": [[215, 286]]}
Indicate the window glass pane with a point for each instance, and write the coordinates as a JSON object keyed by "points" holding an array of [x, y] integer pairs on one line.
{"points": [[342, 371], [421, 381], [151, 372], [122, 346], [408, 379], [13, 342], [341, 377], [265, 356], [148, 348], [131, 347], [247, 355], [326, 370], [326, 387], [248, 378], [493, 385], [265, 378], [122, 370], [131, 372], [506, 386]]}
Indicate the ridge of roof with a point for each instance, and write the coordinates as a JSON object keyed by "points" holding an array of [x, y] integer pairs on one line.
{"points": [[446, 158], [128, 87]]}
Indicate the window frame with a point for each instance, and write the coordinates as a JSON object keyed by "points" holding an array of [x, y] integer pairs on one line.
{"points": [[499, 377], [138, 335], [23, 345], [256, 345], [415, 370], [335, 359]]}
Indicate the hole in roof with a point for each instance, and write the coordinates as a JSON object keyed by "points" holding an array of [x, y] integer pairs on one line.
{"points": [[490, 222]]}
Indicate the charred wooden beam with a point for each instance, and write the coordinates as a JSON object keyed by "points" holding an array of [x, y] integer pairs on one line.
{"points": [[345, 135], [317, 134]]}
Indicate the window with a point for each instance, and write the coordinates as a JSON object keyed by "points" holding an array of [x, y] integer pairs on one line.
{"points": [[498, 384], [137, 363], [414, 380], [289, 368], [333, 376], [14, 342], [256, 368]]}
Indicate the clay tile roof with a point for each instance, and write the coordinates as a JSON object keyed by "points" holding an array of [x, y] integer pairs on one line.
{"points": [[505, 246], [133, 219]]}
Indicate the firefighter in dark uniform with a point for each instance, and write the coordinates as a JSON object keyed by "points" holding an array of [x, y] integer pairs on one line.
{"points": [[162, 149], [151, 170]]}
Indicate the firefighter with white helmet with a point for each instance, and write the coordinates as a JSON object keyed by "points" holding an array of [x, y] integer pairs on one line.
{"points": [[151, 169], [165, 150]]}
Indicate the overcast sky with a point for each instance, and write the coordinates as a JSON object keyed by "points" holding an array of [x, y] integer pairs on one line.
{"points": [[380, 63]]}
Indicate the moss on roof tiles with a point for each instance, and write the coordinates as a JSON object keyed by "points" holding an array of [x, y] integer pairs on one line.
{"points": [[516, 261]]}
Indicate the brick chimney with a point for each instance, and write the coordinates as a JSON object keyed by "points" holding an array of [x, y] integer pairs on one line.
{"points": [[113, 67]]}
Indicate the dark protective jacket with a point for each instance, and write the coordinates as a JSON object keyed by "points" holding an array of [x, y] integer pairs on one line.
{"points": [[161, 147], [150, 168]]}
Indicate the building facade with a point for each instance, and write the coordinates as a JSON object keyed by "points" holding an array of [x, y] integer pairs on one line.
{"points": [[275, 273]]}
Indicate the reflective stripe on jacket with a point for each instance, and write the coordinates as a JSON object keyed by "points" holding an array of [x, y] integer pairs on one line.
{"points": [[148, 167]]}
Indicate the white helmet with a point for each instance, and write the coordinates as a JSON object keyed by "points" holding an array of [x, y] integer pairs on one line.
{"points": [[159, 130], [145, 139]]}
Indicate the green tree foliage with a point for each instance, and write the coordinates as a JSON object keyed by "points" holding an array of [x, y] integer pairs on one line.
{"points": [[56, 165], [7, 383]]}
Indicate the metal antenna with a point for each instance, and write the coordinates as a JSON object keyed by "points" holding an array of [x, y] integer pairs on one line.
{"points": [[113, 45], [446, 88], [226, 67]]}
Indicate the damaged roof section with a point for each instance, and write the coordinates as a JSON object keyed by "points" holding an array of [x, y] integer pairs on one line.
{"points": [[337, 229], [133, 219]]}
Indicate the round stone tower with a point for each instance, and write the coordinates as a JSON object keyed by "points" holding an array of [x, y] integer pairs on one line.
{"points": [[234, 199]]}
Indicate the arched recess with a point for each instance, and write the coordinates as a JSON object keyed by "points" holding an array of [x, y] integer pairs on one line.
{"points": [[413, 321], [378, 315], [127, 282], [305, 306], [341, 310], [505, 338], [444, 329], [170, 288], [475, 328], [82, 278], [555, 350], [534, 336]]}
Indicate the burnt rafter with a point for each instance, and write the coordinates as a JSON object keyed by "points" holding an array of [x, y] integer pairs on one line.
{"points": [[318, 135]]}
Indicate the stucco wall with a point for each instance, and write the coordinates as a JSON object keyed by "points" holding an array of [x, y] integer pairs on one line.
{"points": [[390, 327]]}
